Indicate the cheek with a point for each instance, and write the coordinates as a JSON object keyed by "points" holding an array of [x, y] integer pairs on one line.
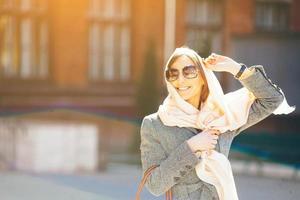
{"points": [[173, 83], [197, 84]]}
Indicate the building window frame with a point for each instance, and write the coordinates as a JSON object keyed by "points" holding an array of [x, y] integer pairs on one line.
{"points": [[24, 54], [109, 41], [203, 26], [272, 16]]}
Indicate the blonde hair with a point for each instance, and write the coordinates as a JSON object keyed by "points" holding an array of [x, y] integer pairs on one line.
{"points": [[191, 54]]}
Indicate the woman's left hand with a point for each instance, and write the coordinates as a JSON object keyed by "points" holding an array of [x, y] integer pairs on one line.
{"points": [[221, 63]]}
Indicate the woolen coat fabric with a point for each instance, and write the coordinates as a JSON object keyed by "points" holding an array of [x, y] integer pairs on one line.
{"points": [[167, 146]]}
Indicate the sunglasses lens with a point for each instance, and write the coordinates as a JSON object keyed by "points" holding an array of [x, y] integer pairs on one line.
{"points": [[190, 71], [172, 74]]}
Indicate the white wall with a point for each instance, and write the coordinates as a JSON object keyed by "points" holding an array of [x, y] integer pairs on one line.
{"points": [[56, 147]]}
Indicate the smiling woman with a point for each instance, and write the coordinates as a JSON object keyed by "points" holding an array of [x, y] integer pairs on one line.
{"points": [[185, 144]]}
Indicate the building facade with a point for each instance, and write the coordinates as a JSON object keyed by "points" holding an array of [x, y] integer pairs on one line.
{"points": [[88, 55]]}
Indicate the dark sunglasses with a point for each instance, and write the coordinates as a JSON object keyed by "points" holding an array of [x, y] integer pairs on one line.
{"points": [[188, 72]]}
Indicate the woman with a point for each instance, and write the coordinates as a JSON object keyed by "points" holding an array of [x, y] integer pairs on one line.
{"points": [[197, 118]]}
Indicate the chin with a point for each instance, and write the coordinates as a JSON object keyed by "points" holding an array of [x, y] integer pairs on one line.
{"points": [[185, 97], [188, 95]]}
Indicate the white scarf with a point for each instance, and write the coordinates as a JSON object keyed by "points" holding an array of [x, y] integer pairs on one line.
{"points": [[220, 112]]}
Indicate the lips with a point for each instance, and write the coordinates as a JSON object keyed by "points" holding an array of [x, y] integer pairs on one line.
{"points": [[183, 88]]}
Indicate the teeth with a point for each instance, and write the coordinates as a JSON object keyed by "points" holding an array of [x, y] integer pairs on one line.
{"points": [[183, 88]]}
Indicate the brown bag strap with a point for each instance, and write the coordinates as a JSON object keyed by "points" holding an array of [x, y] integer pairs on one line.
{"points": [[143, 181]]}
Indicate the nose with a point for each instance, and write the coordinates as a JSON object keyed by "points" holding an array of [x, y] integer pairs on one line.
{"points": [[180, 79]]}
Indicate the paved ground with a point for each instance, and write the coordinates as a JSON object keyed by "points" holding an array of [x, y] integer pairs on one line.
{"points": [[120, 182]]}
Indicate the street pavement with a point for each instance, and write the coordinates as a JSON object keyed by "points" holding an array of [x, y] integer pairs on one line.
{"points": [[120, 182]]}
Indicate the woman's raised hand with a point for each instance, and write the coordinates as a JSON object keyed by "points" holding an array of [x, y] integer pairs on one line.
{"points": [[221, 63], [206, 140]]}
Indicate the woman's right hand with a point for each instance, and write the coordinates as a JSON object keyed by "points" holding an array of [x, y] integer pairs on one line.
{"points": [[206, 140]]}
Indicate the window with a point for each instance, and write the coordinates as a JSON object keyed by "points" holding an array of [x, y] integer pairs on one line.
{"points": [[23, 39], [272, 15], [203, 20], [109, 40]]}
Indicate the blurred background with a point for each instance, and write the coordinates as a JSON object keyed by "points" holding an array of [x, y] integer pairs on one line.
{"points": [[77, 77]]}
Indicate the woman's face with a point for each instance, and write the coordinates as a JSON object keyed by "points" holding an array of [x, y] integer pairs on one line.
{"points": [[186, 88]]}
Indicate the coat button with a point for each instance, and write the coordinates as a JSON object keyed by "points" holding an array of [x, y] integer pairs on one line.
{"points": [[176, 179], [188, 166]]}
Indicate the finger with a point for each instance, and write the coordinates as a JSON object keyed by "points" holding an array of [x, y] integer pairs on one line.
{"points": [[207, 64], [207, 61], [217, 57], [209, 152], [214, 132], [214, 142], [212, 56], [213, 146], [211, 60], [210, 132], [217, 132], [215, 137]]}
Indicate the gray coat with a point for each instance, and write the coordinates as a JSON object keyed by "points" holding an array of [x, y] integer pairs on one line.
{"points": [[167, 146]]}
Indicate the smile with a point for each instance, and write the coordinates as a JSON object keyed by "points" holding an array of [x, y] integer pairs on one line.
{"points": [[183, 88]]}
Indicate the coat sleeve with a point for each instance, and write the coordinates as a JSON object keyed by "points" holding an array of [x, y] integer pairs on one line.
{"points": [[268, 97], [171, 167]]}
